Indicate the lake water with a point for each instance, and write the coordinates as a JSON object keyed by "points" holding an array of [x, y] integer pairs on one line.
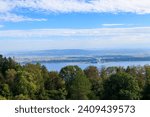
{"points": [[58, 66]]}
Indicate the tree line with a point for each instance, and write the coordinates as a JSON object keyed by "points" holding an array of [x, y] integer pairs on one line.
{"points": [[35, 82]]}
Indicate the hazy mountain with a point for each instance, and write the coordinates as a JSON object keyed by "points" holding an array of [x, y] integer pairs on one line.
{"points": [[80, 52]]}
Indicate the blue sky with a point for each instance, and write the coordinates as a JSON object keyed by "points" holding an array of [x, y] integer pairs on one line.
{"points": [[74, 24]]}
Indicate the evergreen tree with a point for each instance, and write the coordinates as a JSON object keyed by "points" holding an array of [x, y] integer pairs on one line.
{"points": [[97, 89], [80, 87], [55, 86], [121, 86], [146, 92]]}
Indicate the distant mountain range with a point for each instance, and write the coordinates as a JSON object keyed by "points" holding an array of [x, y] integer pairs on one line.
{"points": [[81, 52], [79, 55]]}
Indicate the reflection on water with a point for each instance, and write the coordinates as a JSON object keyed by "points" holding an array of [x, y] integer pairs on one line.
{"points": [[58, 66]]}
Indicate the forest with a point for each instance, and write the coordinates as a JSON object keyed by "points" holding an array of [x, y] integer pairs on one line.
{"points": [[35, 82]]}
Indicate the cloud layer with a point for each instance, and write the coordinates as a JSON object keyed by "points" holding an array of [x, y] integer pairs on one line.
{"points": [[137, 37], [16, 18], [7, 7], [135, 6], [110, 32], [111, 25]]}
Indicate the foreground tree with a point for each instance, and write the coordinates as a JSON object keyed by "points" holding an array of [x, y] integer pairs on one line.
{"points": [[103, 73], [7, 63], [146, 91], [24, 85], [80, 87], [97, 89], [121, 86], [55, 86], [69, 73], [92, 72], [5, 91], [10, 76]]}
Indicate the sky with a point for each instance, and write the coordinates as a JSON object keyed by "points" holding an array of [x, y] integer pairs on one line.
{"points": [[74, 24]]}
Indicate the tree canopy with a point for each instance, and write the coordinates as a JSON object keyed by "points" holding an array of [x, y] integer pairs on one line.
{"points": [[34, 81]]}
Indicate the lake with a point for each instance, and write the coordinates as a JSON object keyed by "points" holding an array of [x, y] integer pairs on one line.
{"points": [[58, 66]]}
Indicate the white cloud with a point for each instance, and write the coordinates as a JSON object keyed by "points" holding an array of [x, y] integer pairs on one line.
{"points": [[6, 12], [109, 25], [137, 37], [99, 32], [134, 6], [17, 18], [5, 6], [67, 6], [103, 37]]}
